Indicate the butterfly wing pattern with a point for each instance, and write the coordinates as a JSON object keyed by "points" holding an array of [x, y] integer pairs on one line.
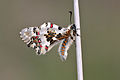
{"points": [[42, 39]]}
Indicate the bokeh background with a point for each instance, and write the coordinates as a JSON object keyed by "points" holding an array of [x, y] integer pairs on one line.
{"points": [[100, 32]]}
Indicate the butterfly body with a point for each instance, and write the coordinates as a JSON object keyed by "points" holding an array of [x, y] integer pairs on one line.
{"points": [[43, 38]]}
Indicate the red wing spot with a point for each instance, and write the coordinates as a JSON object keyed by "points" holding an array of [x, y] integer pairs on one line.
{"points": [[46, 47], [36, 37], [51, 26], [39, 41], [41, 46], [37, 33]]}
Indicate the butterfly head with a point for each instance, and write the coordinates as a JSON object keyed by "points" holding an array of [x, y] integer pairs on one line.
{"points": [[73, 27]]}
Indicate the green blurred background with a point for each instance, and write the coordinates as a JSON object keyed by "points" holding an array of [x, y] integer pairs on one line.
{"points": [[100, 29]]}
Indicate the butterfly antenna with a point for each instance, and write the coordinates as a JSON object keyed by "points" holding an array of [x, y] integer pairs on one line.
{"points": [[70, 16]]}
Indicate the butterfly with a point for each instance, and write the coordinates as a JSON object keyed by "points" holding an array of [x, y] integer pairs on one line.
{"points": [[43, 38]]}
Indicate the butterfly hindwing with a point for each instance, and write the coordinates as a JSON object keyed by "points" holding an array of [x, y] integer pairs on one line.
{"points": [[63, 48]]}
